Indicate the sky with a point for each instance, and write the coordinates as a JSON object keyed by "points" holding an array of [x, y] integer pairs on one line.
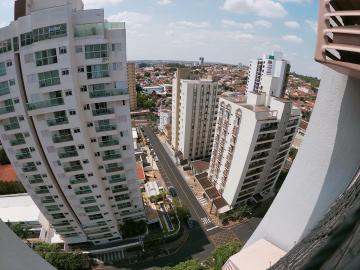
{"points": [[226, 31]]}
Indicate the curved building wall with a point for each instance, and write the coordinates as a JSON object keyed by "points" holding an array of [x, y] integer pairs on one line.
{"points": [[324, 167]]}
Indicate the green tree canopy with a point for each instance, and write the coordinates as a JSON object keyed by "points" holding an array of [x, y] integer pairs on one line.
{"points": [[21, 231], [11, 188], [132, 228], [223, 253], [187, 265], [4, 160]]}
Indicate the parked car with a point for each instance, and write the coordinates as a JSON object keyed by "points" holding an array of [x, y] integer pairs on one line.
{"points": [[172, 191]]}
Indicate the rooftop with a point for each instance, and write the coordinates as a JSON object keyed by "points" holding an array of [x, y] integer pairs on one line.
{"points": [[18, 208], [7, 173], [140, 171]]}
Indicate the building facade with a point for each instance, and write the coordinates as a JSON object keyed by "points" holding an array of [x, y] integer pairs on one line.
{"points": [[165, 119], [65, 119], [132, 86], [194, 117], [253, 140], [271, 71]]}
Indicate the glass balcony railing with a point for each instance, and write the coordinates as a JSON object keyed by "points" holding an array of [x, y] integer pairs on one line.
{"points": [[85, 191], [68, 154], [108, 143], [12, 126], [4, 91], [57, 121], [45, 104], [29, 169], [114, 25], [118, 190], [21, 156], [45, 201], [108, 93], [73, 168], [36, 180], [117, 179], [7, 109], [75, 181], [62, 138], [42, 191], [103, 128], [17, 142], [114, 169], [111, 156], [105, 111]]}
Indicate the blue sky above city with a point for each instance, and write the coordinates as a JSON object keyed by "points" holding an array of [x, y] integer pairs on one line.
{"points": [[227, 31]]}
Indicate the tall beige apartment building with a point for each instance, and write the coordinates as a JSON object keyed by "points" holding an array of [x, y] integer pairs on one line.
{"points": [[132, 86]]}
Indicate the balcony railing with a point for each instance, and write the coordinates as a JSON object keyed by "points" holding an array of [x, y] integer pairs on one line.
{"points": [[105, 111], [7, 109], [36, 180], [114, 169], [117, 179], [17, 142], [108, 93], [62, 138], [29, 169], [4, 91], [85, 191], [264, 146], [45, 104], [118, 190], [11, 126], [68, 154], [57, 121], [111, 156], [75, 181], [21, 156], [42, 191], [73, 168], [108, 143], [103, 128]]}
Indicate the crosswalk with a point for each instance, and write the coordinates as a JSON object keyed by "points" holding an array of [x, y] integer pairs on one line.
{"points": [[206, 220], [202, 200]]}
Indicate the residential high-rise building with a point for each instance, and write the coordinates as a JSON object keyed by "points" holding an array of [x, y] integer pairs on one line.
{"points": [[271, 72], [194, 109], [132, 86], [314, 218], [65, 118], [253, 141]]}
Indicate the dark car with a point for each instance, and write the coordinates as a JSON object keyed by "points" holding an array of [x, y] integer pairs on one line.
{"points": [[172, 191]]}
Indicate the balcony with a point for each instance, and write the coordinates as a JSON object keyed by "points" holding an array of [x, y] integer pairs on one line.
{"points": [[45, 104], [267, 137], [118, 190], [17, 142], [105, 111], [263, 147], [45, 201], [117, 179], [103, 128], [77, 180], [30, 168], [72, 168], [62, 138], [42, 191], [21, 156], [57, 121], [108, 93], [12, 126], [68, 154], [114, 169], [4, 91], [269, 127], [111, 156], [83, 191], [7, 109], [108, 143], [36, 180]]}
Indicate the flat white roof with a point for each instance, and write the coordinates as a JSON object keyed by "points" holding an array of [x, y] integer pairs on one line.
{"points": [[259, 256], [152, 188], [18, 208]]}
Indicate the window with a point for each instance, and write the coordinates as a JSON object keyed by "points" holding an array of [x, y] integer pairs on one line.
{"points": [[46, 57], [96, 51], [16, 43], [12, 82], [49, 78], [9, 63], [76, 130], [90, 209], [117, 66], [97, 71], [5, 46], [78, 49], [2, 69], [65, 72], [94, 217], [116, 47], [68, 93], [81, 146], [90, 124], [81, 69], [44, 33], [62, 50], [124, 147], [72, 112], [58, 216], [4, 88]]}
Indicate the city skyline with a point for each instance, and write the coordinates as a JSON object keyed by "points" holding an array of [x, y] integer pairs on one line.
{"points": [[230, 31]]}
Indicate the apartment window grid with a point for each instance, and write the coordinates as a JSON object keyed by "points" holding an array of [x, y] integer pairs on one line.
{"points": [[97, 71], [49, 78], [2, 69], [44, 33], [4, 88], [5, 46], [46, 57], [96, 51]]}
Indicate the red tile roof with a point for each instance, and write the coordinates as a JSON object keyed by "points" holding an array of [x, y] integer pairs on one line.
{"points": [[140, 171], [7, 173]]}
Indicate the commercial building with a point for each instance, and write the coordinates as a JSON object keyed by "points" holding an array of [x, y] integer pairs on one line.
{"points": [[65, 118], [165, 119], [194, 110], [271, 72], [316, 211], [253, 134], [132, 86]]}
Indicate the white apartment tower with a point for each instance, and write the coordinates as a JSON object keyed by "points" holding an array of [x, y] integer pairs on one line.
{"points": [[269, 72], [65, 119], [194, 109]]}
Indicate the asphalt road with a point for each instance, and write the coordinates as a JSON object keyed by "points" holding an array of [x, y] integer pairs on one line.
{"points": [[173, 177]]}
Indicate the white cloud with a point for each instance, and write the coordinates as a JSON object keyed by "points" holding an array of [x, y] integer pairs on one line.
{"points": [[292, 39], [263, 8], [164, 2], [3, 24], [295, 1], [100, 3], [312, 24], [132, 19], [230, 23], [263, 23], [189, 24], [292, 24]]}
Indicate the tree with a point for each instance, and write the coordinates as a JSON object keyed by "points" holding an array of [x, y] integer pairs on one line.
{"points": [[187, 265], [223, 253], [21, 231], [181, 211], [292, 153], [132, 228], [11, 188], [147, 74], [4, 160]]}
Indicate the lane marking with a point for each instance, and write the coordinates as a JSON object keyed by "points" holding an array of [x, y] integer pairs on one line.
{"points": [[212, 228]]}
